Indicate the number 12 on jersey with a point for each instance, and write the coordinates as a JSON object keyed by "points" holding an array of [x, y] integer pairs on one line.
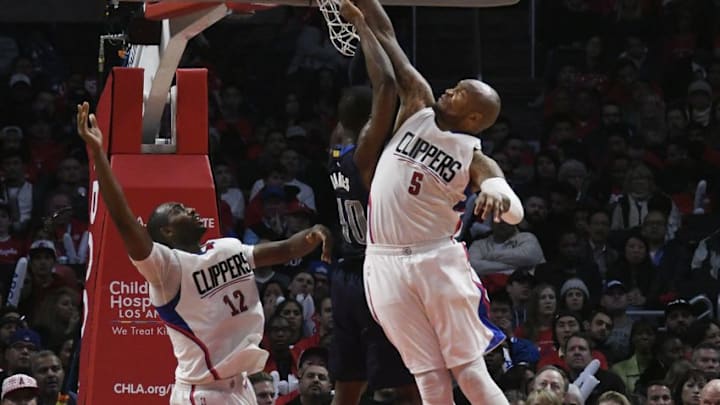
{"points": [[352, 220]]}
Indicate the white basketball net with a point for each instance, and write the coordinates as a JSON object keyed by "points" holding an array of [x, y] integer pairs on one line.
{"points": [[342, 34]]}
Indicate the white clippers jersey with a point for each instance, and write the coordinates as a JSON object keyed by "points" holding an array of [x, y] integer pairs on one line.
{"points": [[215, 322], [419, 184]]}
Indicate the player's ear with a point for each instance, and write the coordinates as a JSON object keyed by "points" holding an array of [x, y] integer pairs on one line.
{"points": [[475, 121]]}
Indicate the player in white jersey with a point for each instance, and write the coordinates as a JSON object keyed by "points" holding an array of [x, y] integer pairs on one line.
{"points": [[419, 283], [206, 295]]}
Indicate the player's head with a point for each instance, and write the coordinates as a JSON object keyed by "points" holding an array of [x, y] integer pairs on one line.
{"points": [[354, 109], [175, 225], [471, 106]]}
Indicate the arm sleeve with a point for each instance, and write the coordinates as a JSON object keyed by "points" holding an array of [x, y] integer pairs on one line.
{"points": [[158, 268]]}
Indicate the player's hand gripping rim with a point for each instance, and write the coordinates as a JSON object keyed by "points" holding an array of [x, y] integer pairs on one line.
{"points": [[491, 203], [350, 12], [321, 234]]}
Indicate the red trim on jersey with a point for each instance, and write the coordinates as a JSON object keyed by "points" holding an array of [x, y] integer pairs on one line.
{"points": [[467, 253], [369, 225], [202, 346], [192, 394], [484, 301]]}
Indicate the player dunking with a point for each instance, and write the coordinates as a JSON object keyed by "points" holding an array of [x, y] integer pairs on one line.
{"points": [[214, 318], [418, 281], [360, 353]]}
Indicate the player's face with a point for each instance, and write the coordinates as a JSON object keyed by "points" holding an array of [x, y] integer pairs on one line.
{"points": [[185, 223], [453, 103]]}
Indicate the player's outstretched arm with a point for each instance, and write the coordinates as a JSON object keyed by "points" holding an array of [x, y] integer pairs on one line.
{"points": [[415, 92], [496, 198], [384, 102], [136, 238], [298, 245]]}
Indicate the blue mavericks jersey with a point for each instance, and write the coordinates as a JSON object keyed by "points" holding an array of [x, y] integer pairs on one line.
{"points": [[352, 198]]}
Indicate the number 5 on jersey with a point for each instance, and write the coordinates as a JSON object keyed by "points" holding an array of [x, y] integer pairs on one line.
{"points": [[415, 183]]}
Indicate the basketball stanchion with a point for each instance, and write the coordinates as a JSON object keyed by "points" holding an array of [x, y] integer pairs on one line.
{"points": [[126, 354]]}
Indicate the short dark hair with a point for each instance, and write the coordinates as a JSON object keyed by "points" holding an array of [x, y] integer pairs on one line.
{"points": [[157, 220], [354, 108]]}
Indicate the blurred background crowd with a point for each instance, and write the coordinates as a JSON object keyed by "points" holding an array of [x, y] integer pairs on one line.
{"points": [[615, 155]]}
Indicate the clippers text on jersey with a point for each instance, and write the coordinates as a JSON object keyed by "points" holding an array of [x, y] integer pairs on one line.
{"points": [[428, 155], [220, 274]]}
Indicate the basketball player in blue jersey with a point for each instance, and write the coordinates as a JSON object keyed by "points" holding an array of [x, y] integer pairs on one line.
{"points": [[419, 284], [360, 355], [205, 294]]}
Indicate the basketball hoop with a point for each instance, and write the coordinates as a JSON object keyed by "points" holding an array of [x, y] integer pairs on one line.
{"points": [[342, 34]]}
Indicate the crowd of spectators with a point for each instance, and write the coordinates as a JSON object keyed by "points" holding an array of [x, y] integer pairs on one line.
{"points": [[616, 261]]}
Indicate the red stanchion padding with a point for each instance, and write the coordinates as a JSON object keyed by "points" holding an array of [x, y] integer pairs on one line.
{"points": [[133, 362], [127, 104], [191, 111], [97, 216], [171, 9]]}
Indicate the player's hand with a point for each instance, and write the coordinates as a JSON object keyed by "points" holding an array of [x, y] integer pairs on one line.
{"points": [[491, 203], [350, 12], [320, 234], [87, 127]]}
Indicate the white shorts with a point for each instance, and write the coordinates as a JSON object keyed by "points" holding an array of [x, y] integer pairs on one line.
{"points": [[430, 303], [231, 391]]}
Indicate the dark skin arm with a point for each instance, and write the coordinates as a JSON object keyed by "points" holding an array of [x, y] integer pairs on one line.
{"points": [[382, 79], [135, 236], [415, 92], [487, 203], [298, 245]]}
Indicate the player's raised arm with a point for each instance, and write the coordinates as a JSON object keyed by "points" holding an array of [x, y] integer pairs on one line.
{"points": [[136, 238], [298, 245], [496, 198], [384, 101], [415, 92]]}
